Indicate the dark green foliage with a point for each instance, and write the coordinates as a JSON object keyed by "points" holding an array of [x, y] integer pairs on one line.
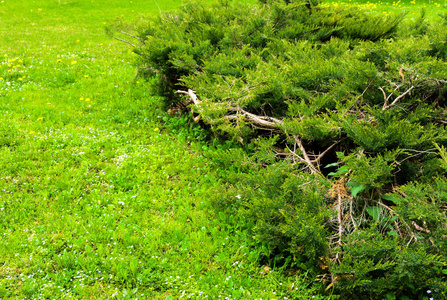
{"points": [[303, 86]]}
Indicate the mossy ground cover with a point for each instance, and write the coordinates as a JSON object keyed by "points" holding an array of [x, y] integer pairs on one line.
{"points": [[102, 195]]}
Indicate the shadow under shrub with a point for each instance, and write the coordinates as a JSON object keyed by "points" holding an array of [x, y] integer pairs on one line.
{"points": [[346, 115]]}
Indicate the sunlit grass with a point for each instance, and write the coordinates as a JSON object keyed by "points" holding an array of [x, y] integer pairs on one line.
{"points": [[413, 7]]}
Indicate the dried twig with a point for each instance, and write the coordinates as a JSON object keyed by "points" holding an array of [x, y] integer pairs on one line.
{"points": [[262, 121], [339, 218], [191, 95], [387, 98], [351, 214], [128, 34], [320, 156], [305, 156], [159, 9], [340, 193], [385, 206], [419, 228], [293, 153], [121, 40], [412, 237], [428, 151], [400, 97]]}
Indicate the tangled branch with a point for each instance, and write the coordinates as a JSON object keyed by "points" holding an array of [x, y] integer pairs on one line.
{"points": [[268, 123], [387, 98]]}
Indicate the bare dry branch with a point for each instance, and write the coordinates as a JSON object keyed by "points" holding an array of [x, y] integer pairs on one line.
{"points": [[401, 96], [305, 156], [320, 156], [419, 228], [121, 40], [293, 152], [339, 217], [191, 95], [351, 214], [343, 207], [428, 151], [262, 121], [386, 106], [385, 98], [128, 34], [412, 237], [385, 206]]}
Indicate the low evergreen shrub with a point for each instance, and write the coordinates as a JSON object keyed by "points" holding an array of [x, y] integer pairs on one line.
{"points": [[342, 116]]}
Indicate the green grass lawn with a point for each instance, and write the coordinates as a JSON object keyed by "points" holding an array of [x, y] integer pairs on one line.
{"points": [[413, 8], [102, 196]]}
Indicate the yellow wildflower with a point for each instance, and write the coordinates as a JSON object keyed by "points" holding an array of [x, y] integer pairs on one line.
{"points": [[142, 171], [39, 119], [82, 98], [1, 78], [86, 76], [32, 132], [74, 62], [20, 79], [156, 129], [87, 99]]}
